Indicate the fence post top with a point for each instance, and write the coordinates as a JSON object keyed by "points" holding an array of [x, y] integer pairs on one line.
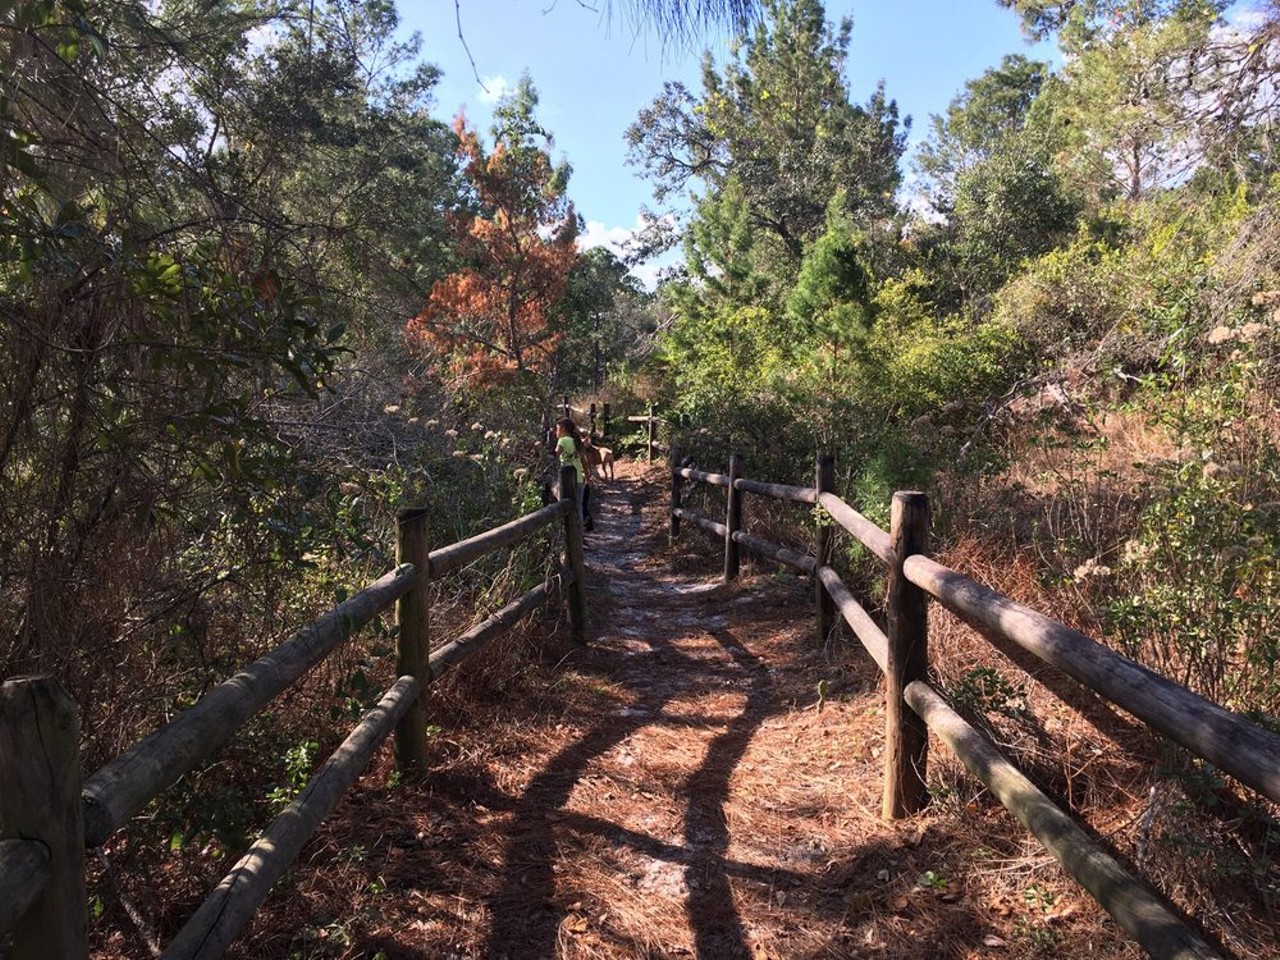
{"points": [[42, 681]]}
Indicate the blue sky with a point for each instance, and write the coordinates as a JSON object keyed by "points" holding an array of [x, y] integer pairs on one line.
{"points": [[594, 76]]}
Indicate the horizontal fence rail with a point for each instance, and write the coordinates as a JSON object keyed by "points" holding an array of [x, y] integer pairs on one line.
{"points": [[778, 491], [44, 924], [1248, 752], [801, 561], [1136, 910], [863, 530], [719, 529], [132, 780], [457, 650], [715, 479], [214, 926], [862, 624], [456, 556]]}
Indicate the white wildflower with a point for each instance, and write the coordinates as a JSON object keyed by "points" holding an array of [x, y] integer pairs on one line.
{"points": [[1091, 568], [1135, 552]]}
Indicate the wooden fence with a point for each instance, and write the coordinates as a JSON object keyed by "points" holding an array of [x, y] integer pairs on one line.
{"points": [[598, 420], [48, 816], [652, 445], [1246, 751], [600, 425]]}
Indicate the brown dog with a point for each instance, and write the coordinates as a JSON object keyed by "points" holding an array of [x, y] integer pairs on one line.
{"points": [[599, 460]]}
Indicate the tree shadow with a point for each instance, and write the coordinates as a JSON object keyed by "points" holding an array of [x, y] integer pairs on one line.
{"points": [[717, 926], [525, 917], [525, 914]]}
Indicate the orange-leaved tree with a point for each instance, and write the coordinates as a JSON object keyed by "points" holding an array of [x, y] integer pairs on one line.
{"points": [[493, 319]]}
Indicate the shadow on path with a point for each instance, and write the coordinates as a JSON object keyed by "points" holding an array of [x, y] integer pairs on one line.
{"points": [[655, 617]]}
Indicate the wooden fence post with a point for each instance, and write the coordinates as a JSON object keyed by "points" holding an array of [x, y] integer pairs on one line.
{"points": [[733, 519], [906, 736], [591, 419], [824, 481], [413, 643], [677, 482], [604, 421], [573, 554], [40, 801], [653, 434], [564, 407]]}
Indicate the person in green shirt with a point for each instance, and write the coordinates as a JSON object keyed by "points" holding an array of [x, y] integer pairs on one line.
{"points": [[569, 448]]}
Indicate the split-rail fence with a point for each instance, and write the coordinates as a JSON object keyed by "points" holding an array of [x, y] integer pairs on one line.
{"points": [[914, 705], [49, 815]]}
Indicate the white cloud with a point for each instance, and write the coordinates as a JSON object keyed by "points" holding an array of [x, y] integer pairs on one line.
{"points": [[648, 273], [620, 240], [1245, 17], [493, 89], [597, 234]]}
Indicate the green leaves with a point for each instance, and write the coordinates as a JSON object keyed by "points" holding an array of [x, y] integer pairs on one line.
{"points": [[778, 122]]}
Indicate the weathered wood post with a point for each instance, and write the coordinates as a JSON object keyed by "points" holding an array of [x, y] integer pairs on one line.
{"points": [[733, 519], [653, 434], [573, 555], [677, 483], [824, 481], [604, 421], [591, 419], [40, 804], [906, 736], [564, 407], [413, 642]]}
